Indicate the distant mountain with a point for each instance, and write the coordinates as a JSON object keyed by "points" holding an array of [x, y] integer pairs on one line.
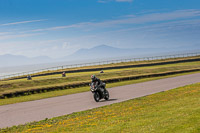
{"points": [[17, 60], [101, 52], [106, 52]]}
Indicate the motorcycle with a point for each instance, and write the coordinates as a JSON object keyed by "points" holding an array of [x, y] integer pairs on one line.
{"points": [[98, 92]]}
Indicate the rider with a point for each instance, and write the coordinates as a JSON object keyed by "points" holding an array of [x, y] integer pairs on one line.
{"points": [[29, 77], [63, 74], [97, 82]]}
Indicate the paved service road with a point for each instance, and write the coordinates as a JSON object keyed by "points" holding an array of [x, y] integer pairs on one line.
{"points": [[21, 113]]}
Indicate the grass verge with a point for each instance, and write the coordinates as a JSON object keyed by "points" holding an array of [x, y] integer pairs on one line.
{"points": [[69, 75], [108, 66], [77, 90], [40, 84], [176, 110]]}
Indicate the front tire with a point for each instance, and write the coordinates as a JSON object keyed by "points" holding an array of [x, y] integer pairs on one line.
{"points": [[106, 95], [96, 96]]}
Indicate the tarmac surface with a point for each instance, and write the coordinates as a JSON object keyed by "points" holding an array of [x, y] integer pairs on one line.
{"points": [[21, 113]]}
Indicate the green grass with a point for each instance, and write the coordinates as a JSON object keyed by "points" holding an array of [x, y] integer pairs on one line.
{"points": [[19, 85], [110, 70], [107, 65], [177, 110], [77, 90]]}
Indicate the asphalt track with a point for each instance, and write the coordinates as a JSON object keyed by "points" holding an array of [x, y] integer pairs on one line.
{"points": [[21, 113]]}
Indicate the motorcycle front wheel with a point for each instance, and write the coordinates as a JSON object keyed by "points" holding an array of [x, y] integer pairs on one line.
{"points": [[96, 96], [106, 95]]}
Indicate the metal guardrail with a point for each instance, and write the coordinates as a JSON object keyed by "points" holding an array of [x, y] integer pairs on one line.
{"points": [[100, 63]]}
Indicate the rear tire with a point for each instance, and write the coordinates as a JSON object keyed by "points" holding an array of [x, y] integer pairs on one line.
{"points": [[96, 96], [106, 95]]}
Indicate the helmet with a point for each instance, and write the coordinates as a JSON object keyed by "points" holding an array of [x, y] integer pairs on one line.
{"points": [[93, 77]]}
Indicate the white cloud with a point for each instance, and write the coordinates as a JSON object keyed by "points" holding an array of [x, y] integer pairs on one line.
{"points": [[106, 1], [154, 17], [11, 36], [125, 31], [4, 33], [124, 0], [65, 45], [79, 25], [22, 22], [127, 20], [52, 48], [103, 1], [174, 25], [130, 19]]}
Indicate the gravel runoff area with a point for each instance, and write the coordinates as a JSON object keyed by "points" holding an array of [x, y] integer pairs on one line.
{"points": [[21, 113]]}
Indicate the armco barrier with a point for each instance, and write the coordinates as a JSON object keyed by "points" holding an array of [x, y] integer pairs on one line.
{"points": [[114, 67], [40, 90], [100, 63]]}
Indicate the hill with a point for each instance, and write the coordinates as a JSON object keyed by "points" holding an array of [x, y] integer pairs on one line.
{"points": [[18, 60], [106, 52]]}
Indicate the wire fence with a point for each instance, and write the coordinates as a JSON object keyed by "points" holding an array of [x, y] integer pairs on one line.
{"points": [[100, 63]]}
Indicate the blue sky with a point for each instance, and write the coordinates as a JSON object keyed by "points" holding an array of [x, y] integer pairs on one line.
{"points": [[57, 28]]}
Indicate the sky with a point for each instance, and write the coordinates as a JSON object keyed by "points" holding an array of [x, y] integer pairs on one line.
{"points": [[57, 28]]}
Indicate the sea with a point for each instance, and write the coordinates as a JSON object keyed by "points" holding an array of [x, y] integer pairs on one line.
{"points": [[10, 71]]}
